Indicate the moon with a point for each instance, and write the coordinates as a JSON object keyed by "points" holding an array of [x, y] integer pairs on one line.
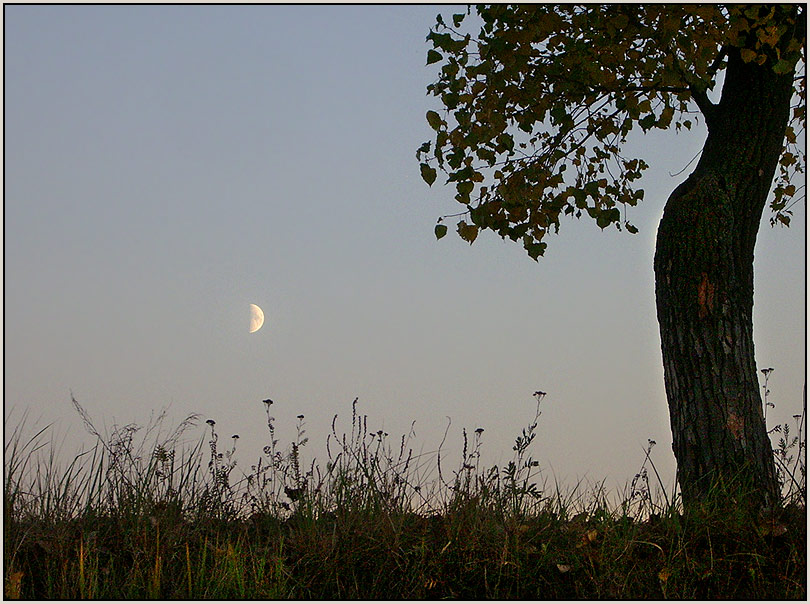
{"points": [[256, 318]]}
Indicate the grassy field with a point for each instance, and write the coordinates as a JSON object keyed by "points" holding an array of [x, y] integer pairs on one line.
{"points": [[141, 516]]}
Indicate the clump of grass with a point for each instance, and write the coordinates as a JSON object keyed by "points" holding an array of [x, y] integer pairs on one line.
{"points": [[152, 513], [790, 452]]}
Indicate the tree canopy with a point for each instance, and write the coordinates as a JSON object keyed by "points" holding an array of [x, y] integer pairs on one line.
{"points": [[538, 105]]}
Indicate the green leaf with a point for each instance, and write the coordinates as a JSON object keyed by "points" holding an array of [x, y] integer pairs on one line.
{"points": [[559, 113], [465, 187], [450, 99], [457, 19], [782, 66], [647, 122], [580, 198], [428, 174], [446, 42], [506, 141], [434, 120], [752, 12], [440, 231], [433, 56], [535, 250], [607, 217], [465, 173]]}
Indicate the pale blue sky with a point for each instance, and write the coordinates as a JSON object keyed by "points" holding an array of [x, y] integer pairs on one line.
{"points": [[167, 166]]}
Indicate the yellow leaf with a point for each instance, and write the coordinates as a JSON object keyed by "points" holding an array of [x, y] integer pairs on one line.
{"points": [[563, 568], [748, 55], [663, 575], [769, 35], [666, 116], [434, 119]]}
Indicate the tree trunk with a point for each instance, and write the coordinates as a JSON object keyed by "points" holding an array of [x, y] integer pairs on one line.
{"points": [[704, 275]]}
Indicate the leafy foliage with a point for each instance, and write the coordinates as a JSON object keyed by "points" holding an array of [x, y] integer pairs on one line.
{"points": [[538, 106]]}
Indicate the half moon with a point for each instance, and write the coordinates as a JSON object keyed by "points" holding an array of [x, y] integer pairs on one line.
{"points": [[256, 318]]}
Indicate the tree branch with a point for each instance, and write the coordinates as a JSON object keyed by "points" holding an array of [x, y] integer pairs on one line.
{"points": [[718, 61], [707, 108]]}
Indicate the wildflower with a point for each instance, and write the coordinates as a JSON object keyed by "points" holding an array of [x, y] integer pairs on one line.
{"points": [[268, 401], [235, 436], [210, 422]]}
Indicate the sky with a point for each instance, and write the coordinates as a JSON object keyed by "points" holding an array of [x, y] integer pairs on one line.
{"points": [[167, 166]]}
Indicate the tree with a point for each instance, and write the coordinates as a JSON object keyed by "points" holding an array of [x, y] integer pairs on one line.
{"points": [[536, 109]]}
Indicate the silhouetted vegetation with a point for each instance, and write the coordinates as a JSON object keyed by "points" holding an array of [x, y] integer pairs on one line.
{"points": [[144, 516]]}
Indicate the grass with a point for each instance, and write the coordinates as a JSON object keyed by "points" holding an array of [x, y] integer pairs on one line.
{"points": [[154, 514]]}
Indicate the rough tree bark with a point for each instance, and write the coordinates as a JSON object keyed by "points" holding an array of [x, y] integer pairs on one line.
{"points": [[704, 274]]}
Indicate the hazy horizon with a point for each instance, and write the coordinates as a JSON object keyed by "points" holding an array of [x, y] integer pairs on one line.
{"points": [[167, 166]]}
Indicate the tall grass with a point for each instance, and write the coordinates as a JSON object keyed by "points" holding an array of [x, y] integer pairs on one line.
{"points": [[150, 512]]}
